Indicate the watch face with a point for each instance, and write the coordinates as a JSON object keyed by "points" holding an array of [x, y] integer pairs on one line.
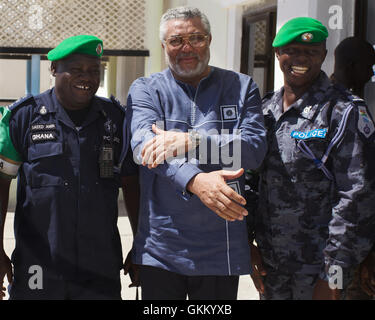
{"points": [[195, 137]]}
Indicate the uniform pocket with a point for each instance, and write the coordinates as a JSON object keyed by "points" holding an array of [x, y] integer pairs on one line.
{"points": [[42, 169], [44, 150]]}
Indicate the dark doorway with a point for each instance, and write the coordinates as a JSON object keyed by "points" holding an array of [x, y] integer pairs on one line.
{"points": [[257, 54]]}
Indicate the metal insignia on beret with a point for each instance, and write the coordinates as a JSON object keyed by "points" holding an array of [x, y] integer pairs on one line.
{"points": [[307, 37], [99, 49], [43, 110]]}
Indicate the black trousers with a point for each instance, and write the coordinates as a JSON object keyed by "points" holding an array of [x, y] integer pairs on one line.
{"points": [[58, 289], [160, 284]]}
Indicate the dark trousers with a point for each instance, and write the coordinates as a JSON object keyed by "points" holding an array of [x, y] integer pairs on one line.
{"points": [[160, 284], [59, 289]]}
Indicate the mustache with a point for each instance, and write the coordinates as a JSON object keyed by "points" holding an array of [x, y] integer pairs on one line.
{"points": [[186, 55]]}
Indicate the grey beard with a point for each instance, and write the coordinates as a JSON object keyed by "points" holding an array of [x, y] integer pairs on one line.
{"points": [[200, 68]]}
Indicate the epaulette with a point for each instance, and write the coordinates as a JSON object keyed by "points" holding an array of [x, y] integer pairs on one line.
{"points": [[29, 99], [349, 95], [356, 100]]}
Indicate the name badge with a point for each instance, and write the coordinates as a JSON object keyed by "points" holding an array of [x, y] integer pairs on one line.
{"points": [[314, 134], [43, 127], [43, 137]]}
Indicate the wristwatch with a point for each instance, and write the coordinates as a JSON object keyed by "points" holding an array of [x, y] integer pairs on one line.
{"points": [[195, 138]]}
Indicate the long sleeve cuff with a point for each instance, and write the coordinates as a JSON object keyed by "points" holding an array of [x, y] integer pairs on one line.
{"points": [[184, 174]]}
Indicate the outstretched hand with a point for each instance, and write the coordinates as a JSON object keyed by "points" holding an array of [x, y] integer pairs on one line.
{"points": [[213, 191]]}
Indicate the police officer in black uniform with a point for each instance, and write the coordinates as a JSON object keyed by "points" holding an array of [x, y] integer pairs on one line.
{"points": [[73, 150]]}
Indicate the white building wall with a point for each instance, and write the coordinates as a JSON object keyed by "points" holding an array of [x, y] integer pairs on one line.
{"points": [[12, 79], [218, 17]]}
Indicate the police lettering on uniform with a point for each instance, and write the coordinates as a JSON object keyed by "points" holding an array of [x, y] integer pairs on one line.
{"points": [[315, 217], [69, 176]]}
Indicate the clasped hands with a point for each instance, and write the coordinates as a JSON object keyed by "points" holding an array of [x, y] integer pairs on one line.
{"points": [[211, 187]]}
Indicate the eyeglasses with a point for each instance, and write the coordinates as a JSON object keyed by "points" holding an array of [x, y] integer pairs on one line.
{"points": [[195, 40]]}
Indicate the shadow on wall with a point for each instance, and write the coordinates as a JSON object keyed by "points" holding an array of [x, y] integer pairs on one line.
{"points": [[13, 191]]}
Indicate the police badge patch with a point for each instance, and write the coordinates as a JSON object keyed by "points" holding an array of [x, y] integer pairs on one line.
{"points": [[365, 124], [229, 112]]}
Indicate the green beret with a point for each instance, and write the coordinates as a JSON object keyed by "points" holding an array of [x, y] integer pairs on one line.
{"points": [[302, 30], [78, 44]]}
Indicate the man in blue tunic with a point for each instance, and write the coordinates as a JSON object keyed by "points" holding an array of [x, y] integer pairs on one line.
{"points": [[315, 218], [68, 149], [192, 239]]}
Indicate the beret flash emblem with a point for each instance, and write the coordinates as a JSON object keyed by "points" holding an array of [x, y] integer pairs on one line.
{"points": [[99, 49], [307, 37]]}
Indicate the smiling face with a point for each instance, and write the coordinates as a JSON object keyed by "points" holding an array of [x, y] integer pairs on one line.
{"points": [[301, 63], [77, 80], [187, 63]]}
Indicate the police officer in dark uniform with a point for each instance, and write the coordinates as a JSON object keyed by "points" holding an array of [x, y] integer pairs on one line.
{"points": [[71, 148], [315, 217]]}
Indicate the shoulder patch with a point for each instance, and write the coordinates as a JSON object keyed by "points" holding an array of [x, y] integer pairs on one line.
{"points": [[21, 102], [365, 123]]}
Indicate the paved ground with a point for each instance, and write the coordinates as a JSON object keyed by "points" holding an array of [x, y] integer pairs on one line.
{"points": [[246, 288]]}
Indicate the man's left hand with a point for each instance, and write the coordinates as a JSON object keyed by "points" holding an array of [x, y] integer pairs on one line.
{"points": [[322, 291], [133, 271]]}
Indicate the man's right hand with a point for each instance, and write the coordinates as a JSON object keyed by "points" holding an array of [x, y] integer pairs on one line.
{"points": [[213, 191], [5, 269], [367, 275], [258, 270]]}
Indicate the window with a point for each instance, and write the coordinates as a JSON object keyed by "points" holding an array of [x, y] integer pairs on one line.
{"points": [[257, 55]]}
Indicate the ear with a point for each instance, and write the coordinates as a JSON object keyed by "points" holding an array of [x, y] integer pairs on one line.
{"points": [[53, 68], [210, 39], [277, 52]]}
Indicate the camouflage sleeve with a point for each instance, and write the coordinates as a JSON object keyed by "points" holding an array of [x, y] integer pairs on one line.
{"points": [[351, 229], [10, 160]]}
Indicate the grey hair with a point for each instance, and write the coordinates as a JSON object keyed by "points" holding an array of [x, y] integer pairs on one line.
{"points": [[182, 13]]}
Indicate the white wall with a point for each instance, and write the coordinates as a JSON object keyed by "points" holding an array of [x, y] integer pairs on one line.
{"points": [[154, 11], [218, 17], [12, 78]]}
